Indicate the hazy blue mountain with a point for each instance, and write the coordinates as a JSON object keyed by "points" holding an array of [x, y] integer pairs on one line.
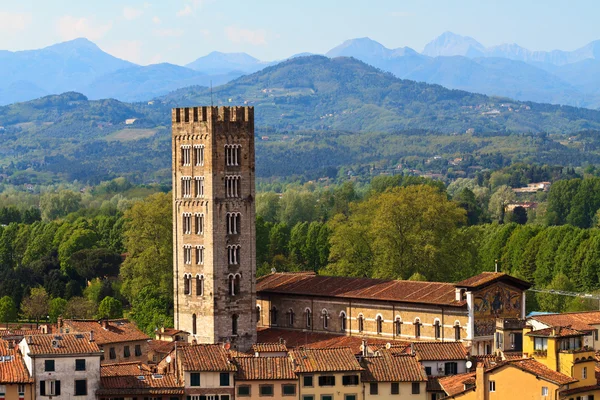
{"points": [[220, 63], [58, 68], [143, 83], [451, 44]]}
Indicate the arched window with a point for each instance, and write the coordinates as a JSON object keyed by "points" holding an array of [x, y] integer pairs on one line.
{"points": [[437, 328], [343, 321], [361, 323], [257, 314], [194, 324], [291, 317], [233, 223], [325, 316], [398, 326], [379, 324], [234, 324], [417, 328], [199, 255], [199, 285], [273, 316], [457, 331], [231, 284], [236, 283], [233, 254], [187, 282], [308, 317]]}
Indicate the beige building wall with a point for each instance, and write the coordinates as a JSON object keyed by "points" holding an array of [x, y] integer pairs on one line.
{"points": [[338, 392], [385, 391], [120, 352], [208, 316], [277, 389], [208, 380], [11, 391]]}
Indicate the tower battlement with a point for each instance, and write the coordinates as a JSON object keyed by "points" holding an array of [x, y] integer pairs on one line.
{"points": [[190, 115]]}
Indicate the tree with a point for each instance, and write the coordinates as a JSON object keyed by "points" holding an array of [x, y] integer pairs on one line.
{"points": [[466, 199], [110, 308], [148, 238], [57, 205], [267, 206], [553, 302], [8, 310], [297, 243], [78, 240], [81, 308], [36, 305], [502, 197], [417, 277], [95, 263], [57, 308], [151, 310], [518, 215]]}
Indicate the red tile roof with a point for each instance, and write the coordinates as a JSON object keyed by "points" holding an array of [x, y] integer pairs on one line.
{"points": [[19, 333], [581, 389], [309, 284], [205, 357], [486, 278], [264, 368], [337, 359], [439, 351], [541, 371], [577, 320], [67, 343], [320, 340], [116, 331], [274, 347], [455, 384], [124, 369], [12, 370], [558, 331], [164, 346], [150, 384], [392, 368]]}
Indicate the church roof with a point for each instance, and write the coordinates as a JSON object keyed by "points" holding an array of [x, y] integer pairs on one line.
{"points": [[487, 278], [310, 284]]}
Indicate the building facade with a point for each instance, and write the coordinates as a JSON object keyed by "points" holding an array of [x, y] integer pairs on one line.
{"points": [[214, 257]]}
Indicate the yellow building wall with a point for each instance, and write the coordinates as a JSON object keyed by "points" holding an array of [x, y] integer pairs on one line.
{"points": [[513, 384], [578, 373], [338, 391], [277, 389], [12, 391], [385, 392]]}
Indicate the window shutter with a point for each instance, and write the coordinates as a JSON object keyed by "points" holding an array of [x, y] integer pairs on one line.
{"points": [[57, 388], [42, 388]]}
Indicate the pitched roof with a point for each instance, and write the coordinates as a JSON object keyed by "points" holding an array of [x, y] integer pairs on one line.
{"points": [[164, 346], [264, 368], [142, 384], [318, 340], [124, 369], [439, 351], [392, 368], [12, 370], [539, 370], [67, 344], [557, 331], [336, 359], [19, 333], [274, 347], [454, 384], [108, 331], [309, 284], [486, 278], [205, 357], [581, 321]]}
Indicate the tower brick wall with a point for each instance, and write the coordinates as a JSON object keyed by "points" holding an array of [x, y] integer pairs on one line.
{"points": [[209, 262]]}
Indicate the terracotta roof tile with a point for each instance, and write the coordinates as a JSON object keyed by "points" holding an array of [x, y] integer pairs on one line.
{"points": [[577, 320], [205, 357], [12, 367], [68, 343], [337, 359], [541, 371], [265, 368], [274, 347], [580, 389], [150, 384], [392, 368], [318, 340], [117, 330], [18, 334], [433, 385], [309, 284], [124, 369], [455, 384], [439, 351], [164, 346], [558, 331], [486, 278]]}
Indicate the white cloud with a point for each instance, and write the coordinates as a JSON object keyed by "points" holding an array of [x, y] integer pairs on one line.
{"points": [[130, 50], [168, 32], [240, 35], [132, 13], [70, 27], [185, 11], [156, 20], [12, 22]]}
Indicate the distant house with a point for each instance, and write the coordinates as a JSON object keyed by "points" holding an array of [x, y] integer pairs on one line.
{"points": [[130, 121], [534, 187]]}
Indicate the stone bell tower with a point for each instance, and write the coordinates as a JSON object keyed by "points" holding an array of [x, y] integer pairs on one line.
{"points": [[214, 258]]}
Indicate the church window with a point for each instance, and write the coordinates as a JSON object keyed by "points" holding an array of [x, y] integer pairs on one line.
{"points": [[361, 323], [199, 186], [186, 186], [199, 221], [232, 186], [185, 155], [199, 285], [199, 255], [343, 320], [437, 329], [379, 324], [187, 223], [234, 324], [233, 223], [233, 155], [187, 254], [398, 326], [199, 154]]}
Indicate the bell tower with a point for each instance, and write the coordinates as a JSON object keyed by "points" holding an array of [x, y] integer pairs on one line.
{"points": [[214, 260]]}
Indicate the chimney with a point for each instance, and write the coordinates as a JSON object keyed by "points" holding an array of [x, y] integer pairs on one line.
{"points": [[104, 324], [91, 336], [11, 344], [29, 339], [365, 350], [480, 389]]}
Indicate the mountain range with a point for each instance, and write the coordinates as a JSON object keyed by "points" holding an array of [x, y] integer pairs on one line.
{"points": [[451, 60]]}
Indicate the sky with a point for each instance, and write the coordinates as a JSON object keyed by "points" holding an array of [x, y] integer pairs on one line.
{"points": [[179, 31]]}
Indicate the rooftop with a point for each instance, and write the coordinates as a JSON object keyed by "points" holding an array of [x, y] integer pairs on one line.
{"points": [[455, 384], [205, 357], [439, 351], [336, 359], [265, 368], [12, 367], [557, 331], [274, 347], [124, 369], [309, 284], [151, 384], [581, 321], [62, 344], [487, 278], [539, 370], [392, 368], [107, 331]]}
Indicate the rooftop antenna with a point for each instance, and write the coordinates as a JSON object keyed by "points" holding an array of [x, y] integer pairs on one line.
{"points": [[211, 97]]}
